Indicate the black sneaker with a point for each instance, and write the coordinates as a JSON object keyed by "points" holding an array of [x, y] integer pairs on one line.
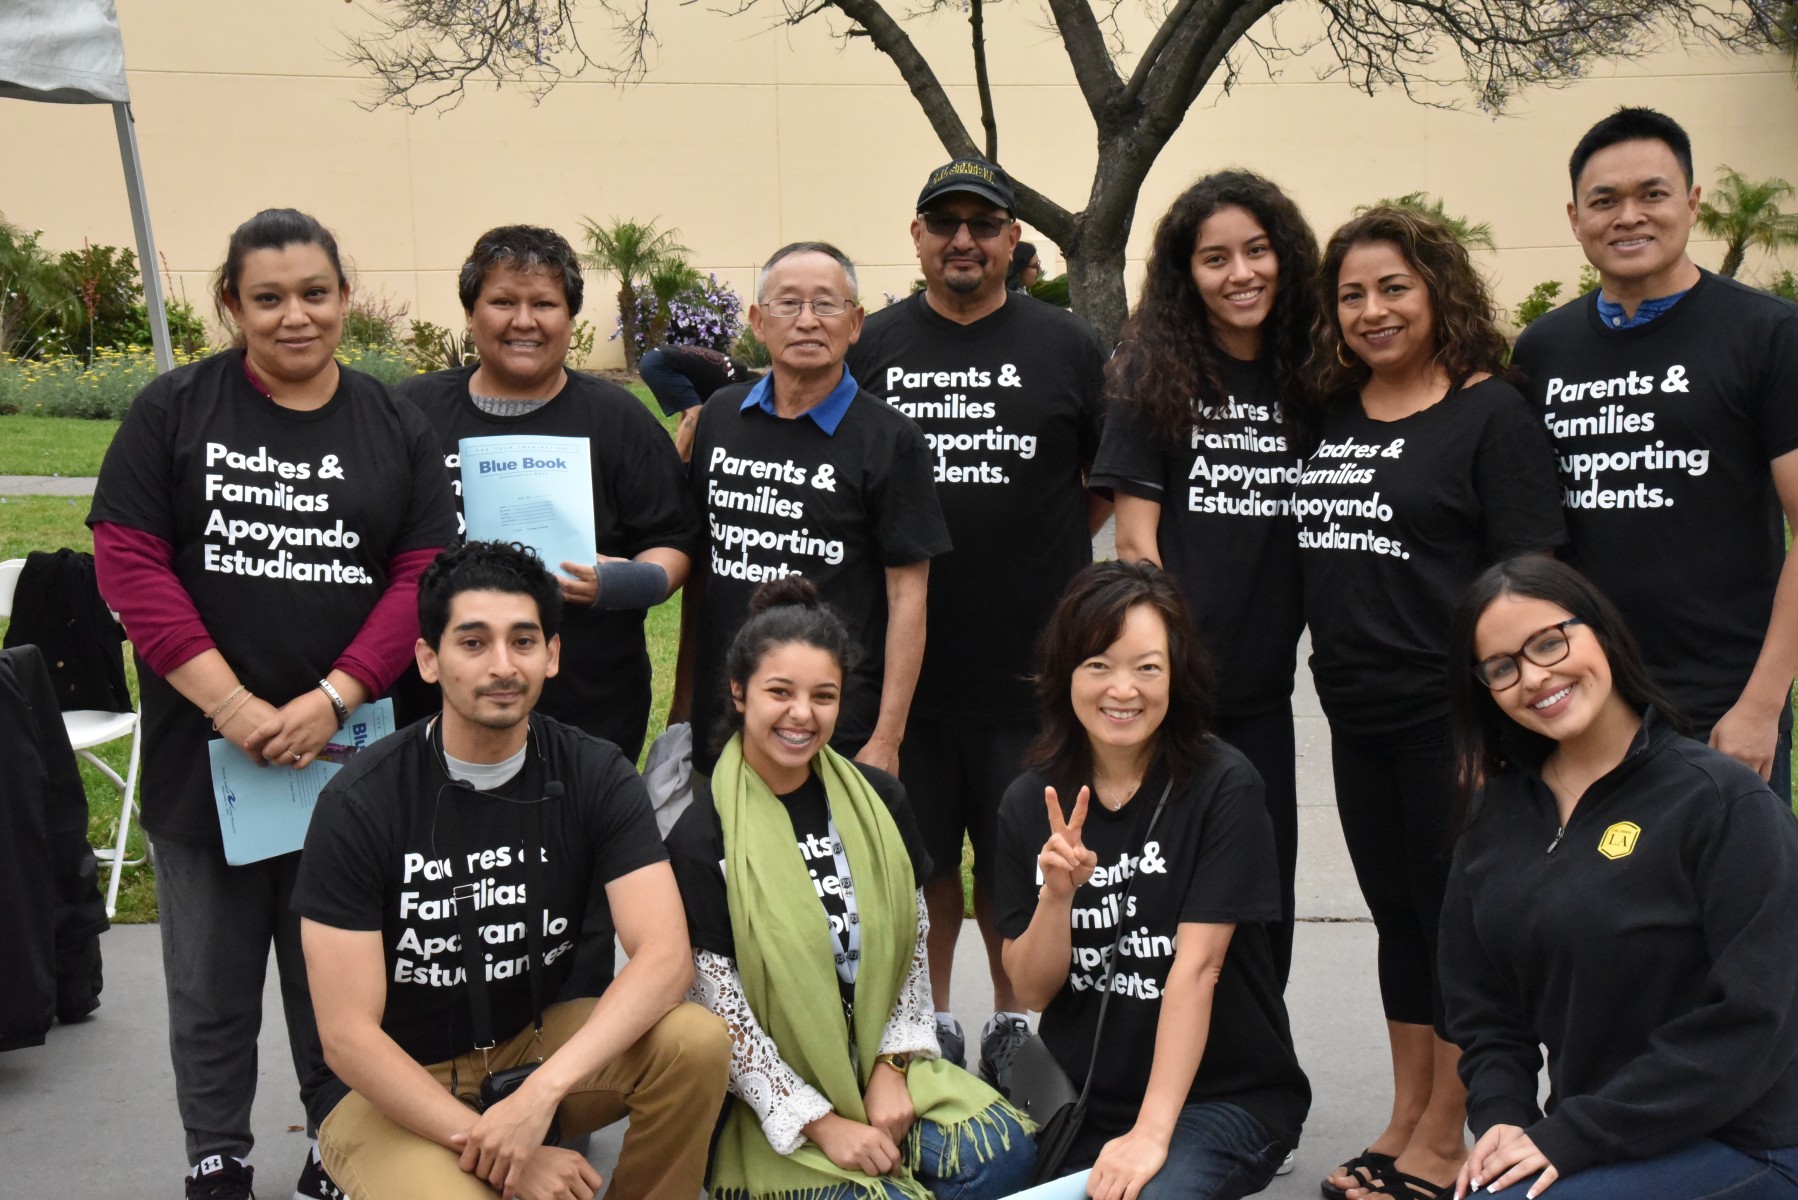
{"points": [[1001, 1039], [316, 1183], [221, 1177], [952, 1042]]}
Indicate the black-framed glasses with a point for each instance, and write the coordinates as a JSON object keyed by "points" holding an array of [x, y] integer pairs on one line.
{"points": [[1545, 648], [945, 224], [789, 307]]}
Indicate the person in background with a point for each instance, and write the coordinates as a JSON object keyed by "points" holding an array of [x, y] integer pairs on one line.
{"points": [[1202, 451], [796, 832], [1137, 860], [684, 377], [1668, 393], [1026, 268], [1006, 389], [521, 290], [1626, 897], [260, 525], [1429, 467]]}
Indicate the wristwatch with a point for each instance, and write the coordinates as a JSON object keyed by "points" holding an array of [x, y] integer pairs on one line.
{"points": [[899, 1062]]}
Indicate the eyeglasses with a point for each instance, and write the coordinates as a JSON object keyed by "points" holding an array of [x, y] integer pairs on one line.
{"points": [[983, 229], [1545, 648], [789, 307]]}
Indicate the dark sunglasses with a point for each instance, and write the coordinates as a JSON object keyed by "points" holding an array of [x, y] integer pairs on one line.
{"points": [[983, 229]]}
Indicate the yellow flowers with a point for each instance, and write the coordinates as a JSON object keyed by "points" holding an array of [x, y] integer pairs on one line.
{"points": [[63, 386]]}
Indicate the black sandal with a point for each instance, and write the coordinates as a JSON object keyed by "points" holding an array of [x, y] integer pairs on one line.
{"points": [[1366, 1166], [1409, 1187]]}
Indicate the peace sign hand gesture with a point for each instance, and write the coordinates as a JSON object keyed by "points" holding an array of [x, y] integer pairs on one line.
{"points": [[1065, 862]]}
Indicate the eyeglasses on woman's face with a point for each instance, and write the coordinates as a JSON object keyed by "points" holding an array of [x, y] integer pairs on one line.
{"points": [[789, 307], [1544, 648], [945, 224]]}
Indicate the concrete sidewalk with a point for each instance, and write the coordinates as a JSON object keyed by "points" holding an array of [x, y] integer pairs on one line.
{"points": [[47, 485]]}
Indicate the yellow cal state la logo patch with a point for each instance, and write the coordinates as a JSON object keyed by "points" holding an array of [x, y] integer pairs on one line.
{"points": [[1619, 841]]}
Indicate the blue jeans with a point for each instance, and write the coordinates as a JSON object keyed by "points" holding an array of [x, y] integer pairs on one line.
{"points": [[1218, 1152], [1005, 1169], [1703, 1170]]}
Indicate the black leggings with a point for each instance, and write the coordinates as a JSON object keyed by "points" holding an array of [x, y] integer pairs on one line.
{"points": [[1394, 795], [1266, 740]]}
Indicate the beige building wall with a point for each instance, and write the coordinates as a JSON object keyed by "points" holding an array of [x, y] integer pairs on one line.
{"points": [[744, 136]]}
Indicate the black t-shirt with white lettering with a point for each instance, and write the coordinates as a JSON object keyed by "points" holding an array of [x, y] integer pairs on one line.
{"points": [[696, 849], [782, 497], [1210, 861], [283, 525], [1664, 432], [1396, 518], [640, 501], [1227, 532], [1009, 406], [378, 858]]}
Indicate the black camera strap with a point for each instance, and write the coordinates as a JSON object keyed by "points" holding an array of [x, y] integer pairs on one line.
{"points": [[469, 901]]}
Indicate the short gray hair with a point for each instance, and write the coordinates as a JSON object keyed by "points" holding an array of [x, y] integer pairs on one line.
{"points": [[792, 248]]}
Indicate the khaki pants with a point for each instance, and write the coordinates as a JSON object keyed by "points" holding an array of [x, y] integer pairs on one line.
{"points": [[670, 1083]]}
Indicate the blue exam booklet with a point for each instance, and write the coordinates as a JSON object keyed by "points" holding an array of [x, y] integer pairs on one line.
{"points": [[1068, 1187], [535, 490], [264, 811]]}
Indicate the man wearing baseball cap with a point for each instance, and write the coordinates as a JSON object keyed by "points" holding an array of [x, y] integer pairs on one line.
{"points": [[1006, 389]]}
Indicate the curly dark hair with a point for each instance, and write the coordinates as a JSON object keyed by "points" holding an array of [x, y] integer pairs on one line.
{"points": [[1465, 330], [1089, 617], [486, 567], [1169, 366]]}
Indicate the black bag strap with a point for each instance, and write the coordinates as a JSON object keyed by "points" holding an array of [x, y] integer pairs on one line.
{"points": [[1092, 1062], [465, 896]]}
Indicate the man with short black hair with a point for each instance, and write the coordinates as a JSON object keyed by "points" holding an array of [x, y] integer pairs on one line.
{"points": [[1007, 391], [1671, 395], [448, 874], [805, 473]]}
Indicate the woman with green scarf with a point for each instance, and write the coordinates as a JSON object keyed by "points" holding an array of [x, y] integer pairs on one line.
{"points": [[800, 882]]}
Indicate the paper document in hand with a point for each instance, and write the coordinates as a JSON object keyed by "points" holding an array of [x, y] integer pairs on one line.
{"points": [[1068, 1187], [264, 811], [535, 490]]}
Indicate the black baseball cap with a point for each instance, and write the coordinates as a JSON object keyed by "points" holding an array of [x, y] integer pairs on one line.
{"points": [[975, 176]]}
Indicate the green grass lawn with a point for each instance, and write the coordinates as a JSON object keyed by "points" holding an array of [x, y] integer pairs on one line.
{"points": [[53, 445]]}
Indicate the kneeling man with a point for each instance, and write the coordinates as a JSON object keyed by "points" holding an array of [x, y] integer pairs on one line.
{"points": [[445, 883]]}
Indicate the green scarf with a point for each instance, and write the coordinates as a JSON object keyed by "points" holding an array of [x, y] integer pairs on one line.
{"points": [[787, 961]]}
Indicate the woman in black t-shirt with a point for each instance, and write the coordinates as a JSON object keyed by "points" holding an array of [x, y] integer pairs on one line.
{"points": [[1201, 452], [1157, 895], [1626, 897], [1428, 467], [803, 852], [260, 524]]}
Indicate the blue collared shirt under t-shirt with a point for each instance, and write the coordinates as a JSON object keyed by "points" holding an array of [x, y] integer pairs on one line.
{"points": [[1614, 317], [828, 412]]}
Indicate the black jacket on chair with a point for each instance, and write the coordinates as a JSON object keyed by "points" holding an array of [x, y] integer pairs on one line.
{"points": [[51, 910]]}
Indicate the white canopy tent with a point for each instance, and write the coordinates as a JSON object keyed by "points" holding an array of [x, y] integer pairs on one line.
{"points": [[71, 52]]}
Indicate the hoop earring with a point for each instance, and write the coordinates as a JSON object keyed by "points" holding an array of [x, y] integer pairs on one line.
{"points": [[1347, 360]]}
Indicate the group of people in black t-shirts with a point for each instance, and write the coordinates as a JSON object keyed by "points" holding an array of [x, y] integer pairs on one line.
{"points": [[1550, 630]]}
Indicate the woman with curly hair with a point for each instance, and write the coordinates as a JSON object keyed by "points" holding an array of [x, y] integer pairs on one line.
{"points": [[1429, 467], [1201, 451]]}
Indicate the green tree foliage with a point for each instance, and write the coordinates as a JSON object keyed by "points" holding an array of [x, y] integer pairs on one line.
{"points": [[1473, 236], [1745, 212], [631, 250], [37, 300]]}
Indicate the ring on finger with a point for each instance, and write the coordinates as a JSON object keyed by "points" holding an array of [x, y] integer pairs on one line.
{"points": [[294, 754]]}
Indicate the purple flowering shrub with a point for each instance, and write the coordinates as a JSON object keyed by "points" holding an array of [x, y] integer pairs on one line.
{"points": [[709, 314]]}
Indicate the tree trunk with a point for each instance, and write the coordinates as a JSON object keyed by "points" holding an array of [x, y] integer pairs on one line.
{"points": [[1096, 283], [627, 318], [1732, 259]]}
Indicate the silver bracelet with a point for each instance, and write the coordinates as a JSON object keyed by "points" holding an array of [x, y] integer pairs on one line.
{"points": [[337, 705]]}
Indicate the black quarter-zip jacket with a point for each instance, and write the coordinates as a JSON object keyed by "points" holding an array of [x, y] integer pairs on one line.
{"points": [[1651, 946]]}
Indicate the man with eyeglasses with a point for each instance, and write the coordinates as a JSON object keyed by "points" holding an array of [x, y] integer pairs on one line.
{"points": [[1006, 389], [804, 473]]}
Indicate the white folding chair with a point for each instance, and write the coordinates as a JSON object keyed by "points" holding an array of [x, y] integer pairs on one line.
{"points": [[88, 728]]}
